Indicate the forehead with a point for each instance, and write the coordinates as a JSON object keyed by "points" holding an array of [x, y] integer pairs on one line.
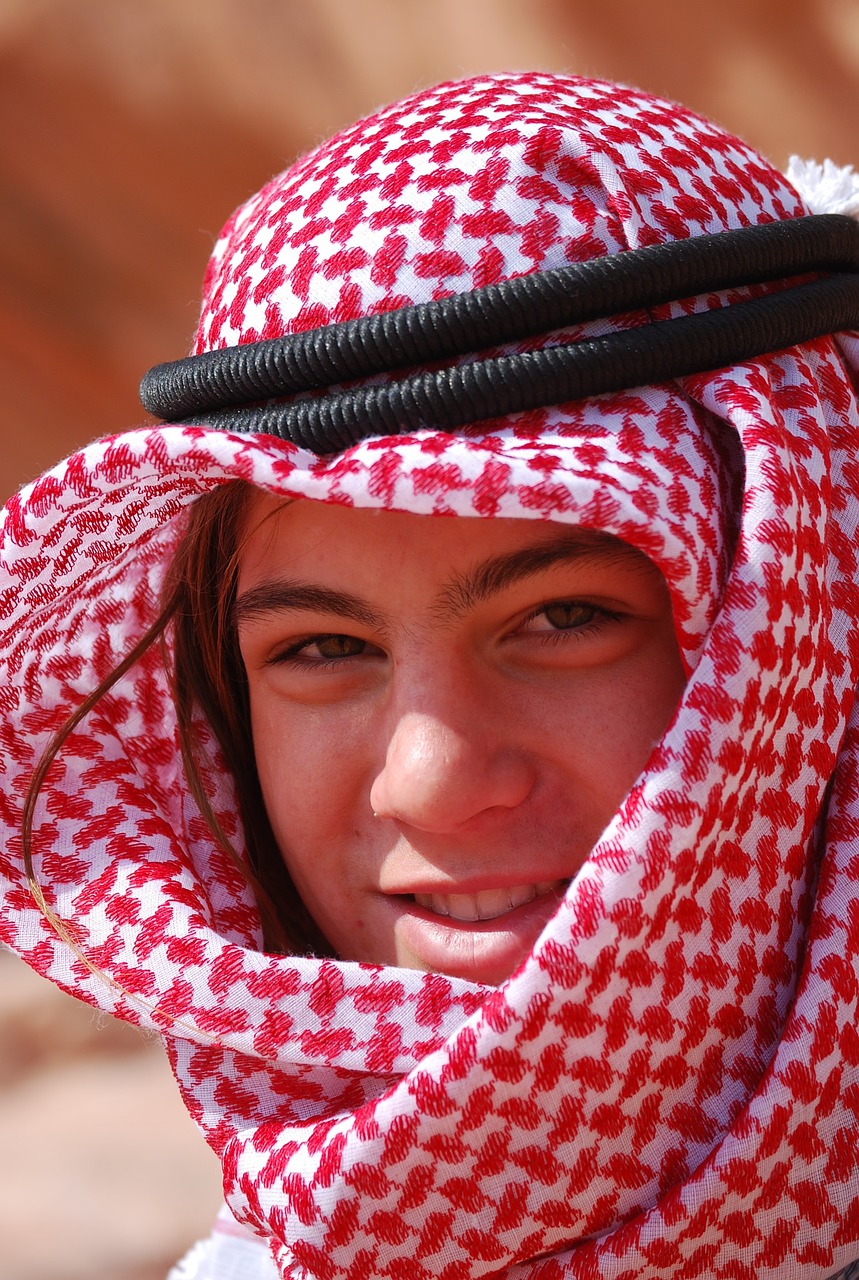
{"points": [[304, 537]]}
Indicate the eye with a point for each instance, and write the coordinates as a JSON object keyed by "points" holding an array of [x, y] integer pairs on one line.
{"points": [[560, 616], [336, 646], [333, 647], [567, 615]]}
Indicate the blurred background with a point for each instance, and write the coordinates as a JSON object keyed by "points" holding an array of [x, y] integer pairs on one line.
{"points": [[130, 129]]}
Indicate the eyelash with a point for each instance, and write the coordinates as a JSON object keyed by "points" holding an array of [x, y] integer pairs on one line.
{"points": [[599, 617], [292, 654]]}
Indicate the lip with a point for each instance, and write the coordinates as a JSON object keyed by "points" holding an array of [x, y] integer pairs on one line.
{"points": [[471, 884], [484, 951]]}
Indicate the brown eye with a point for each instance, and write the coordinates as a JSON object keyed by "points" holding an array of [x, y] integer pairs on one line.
{"points": [[569, 614], [338, 646]]}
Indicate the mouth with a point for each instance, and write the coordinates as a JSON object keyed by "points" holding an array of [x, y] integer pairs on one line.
{"points": [[482, 936], [487, 904]]}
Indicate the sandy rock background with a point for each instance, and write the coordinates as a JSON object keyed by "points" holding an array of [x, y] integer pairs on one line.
{"points": [[103, 1176], [131, 129]]}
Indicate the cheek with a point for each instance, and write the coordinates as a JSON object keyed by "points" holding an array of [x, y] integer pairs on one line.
{"points": [[312, 770], [612, 723], [313, 775], [650, 699]]}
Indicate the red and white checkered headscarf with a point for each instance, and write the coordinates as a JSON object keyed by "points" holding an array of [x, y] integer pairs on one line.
{"points": [[669, 1085]]}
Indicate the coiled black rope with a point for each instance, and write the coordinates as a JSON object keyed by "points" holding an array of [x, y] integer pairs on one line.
{"points": [[221, 388]]}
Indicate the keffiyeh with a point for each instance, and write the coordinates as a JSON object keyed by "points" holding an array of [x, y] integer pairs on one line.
{"points": [[669, 1085]]}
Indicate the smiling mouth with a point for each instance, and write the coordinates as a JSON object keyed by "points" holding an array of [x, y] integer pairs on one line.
{"points": [[487, 904]]}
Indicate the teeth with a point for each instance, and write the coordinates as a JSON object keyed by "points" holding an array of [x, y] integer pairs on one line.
{"points": [[488, 904]]}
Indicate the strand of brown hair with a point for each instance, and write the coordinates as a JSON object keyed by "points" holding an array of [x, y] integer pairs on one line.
{"points": [[195, 631]]}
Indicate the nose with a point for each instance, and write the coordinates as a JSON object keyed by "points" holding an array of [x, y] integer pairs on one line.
{"points": [[438, 775]]}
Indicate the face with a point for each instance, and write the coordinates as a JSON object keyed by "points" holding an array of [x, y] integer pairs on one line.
{"points": [[446, 713]]}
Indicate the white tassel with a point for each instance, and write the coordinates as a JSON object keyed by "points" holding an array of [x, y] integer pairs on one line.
{"points": [[827, 187]]}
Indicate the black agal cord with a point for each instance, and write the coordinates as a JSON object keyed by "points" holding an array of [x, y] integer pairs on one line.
{"points": [[225, 388]]}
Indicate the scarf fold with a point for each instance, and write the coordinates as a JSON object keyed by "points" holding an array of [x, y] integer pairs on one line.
{"points": [[669, 1084]]}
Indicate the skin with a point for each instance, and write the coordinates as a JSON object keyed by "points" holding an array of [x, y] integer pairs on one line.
{"points": [[446, 714]]}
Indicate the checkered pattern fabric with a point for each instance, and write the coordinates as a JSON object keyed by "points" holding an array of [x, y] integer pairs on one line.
{"points": [[669, 1084]]}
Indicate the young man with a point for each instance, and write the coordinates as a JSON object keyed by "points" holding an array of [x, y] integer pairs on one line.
{"points": [[509, 651]]}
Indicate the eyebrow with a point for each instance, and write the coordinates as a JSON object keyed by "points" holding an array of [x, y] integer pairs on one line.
{"points": [[280, 595], [457, 597], [465, 590]]}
